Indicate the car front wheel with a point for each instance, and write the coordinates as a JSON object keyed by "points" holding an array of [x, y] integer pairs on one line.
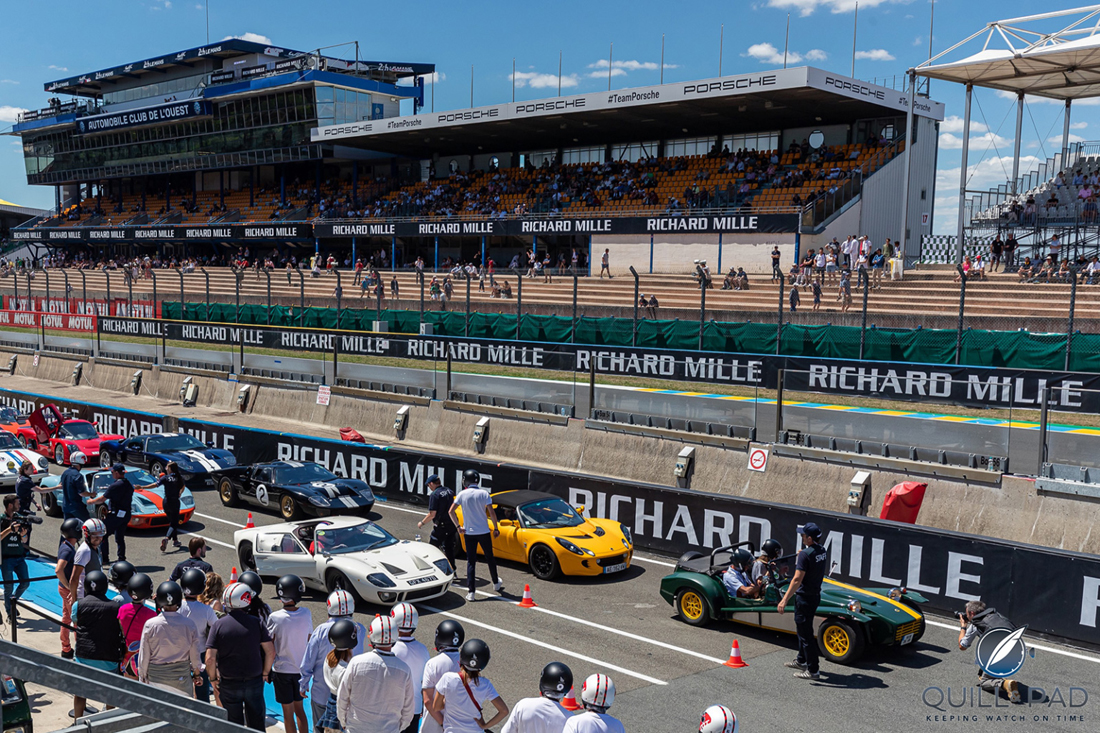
{"points": [[692, 607], [544, 563], [156, 469], [246, 557], [49, 505], [59, 455], [105, 459], [289, 508], [336, 580], [228, 493], [840, 641]]}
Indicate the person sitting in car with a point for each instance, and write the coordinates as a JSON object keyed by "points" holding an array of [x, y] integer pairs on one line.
{"points": [[738, 577]]}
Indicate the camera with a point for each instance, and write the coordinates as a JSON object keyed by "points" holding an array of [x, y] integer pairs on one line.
{"points": [[25, 518], [961, 616]]}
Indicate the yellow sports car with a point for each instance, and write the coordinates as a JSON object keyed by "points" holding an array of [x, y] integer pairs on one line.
{"points": [[543, 531]]}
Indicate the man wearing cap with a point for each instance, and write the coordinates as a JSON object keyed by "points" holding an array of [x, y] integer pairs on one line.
{"points": [[119, 497], [805, 586], [443, 533]]}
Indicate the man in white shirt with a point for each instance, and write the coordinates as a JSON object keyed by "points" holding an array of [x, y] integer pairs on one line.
{"points": [[543, 714], [193, 582], [290, 628], [411, 652], [477, 512], [169, 651], [449, 636], [376, 692]]}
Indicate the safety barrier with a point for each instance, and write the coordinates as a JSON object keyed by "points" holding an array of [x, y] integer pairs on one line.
{"points": [[510, 403], [700, 427], [994, 463], [378, 386]]}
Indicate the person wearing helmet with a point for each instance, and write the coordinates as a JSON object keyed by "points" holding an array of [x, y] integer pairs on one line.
{"points": [[86, 558], [344, 637], [805, 586], [119, 575], [718, 719], [132, 617], [543, 714], [290, 628], [443, 533], [460, 697], [340, 608], [769, 553], [193, 584], [66, 552], [376, 694], [477, 512], [74, 489], [239, 658], [597, 694], [118, 500], [257, 608], [411, 652], [449, 636], [172, 483], [738, 576], [98, 635], [170, 653]]}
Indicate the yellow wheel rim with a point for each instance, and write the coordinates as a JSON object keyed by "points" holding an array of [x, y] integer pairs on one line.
{"points": [[836, 641], [691, 606], [288, 506]]}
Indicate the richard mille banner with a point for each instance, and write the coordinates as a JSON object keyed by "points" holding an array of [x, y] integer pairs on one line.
{"points": [[925, 383]]}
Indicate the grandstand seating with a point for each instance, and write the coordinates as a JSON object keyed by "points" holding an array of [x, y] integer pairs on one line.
{"points": [[1057, 200]]}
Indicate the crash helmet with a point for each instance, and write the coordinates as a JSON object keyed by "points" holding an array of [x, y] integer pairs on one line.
{"points": [[193, 582], [77, 458], [718, 719], [344, 634], [742, 558], [598, 692], [95, 583], [340, 603], [556, 680], [290, 588], [120, 573], [71, 528], [405, 616], [140, 587], [252, 580], [237, 596], [449, 635], [772, 549], [92, 527], [474, 655], [383, 631], [169, 594], [470, 477]]}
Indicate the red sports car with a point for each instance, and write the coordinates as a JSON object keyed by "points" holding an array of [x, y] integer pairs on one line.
{"points": [[57, 437]]}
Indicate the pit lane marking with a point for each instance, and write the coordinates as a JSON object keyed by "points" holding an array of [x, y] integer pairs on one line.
{"points": [[1041, 647], [544, 645], [219, 519], [208, 539]]}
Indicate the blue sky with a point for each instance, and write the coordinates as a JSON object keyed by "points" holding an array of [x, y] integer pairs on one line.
{"points": [[892, 36]]}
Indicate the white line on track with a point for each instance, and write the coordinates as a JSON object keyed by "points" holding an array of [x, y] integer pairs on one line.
{"points": [[390, 505], [610, 629], [551, 647], [210, 540], [1052, 650], [219, 519]]}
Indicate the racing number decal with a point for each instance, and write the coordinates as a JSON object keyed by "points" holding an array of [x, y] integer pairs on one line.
{"points": [[262, 495]]}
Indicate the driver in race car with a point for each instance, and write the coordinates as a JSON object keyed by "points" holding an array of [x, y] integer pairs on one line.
{"points": [[769, 552], [738, 577]]}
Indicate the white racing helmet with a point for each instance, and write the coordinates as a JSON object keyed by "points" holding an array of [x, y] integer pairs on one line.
{"points": [[340, 603], [405, 616], [93, 527], [718, 719], [383, 631], [77, 458], [598, 692], [237, 596]]}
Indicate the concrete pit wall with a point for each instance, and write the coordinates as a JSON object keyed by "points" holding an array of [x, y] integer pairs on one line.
{"points": [[1012, 511]]}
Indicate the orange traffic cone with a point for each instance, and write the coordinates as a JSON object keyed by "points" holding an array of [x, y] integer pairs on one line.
{"points": [[569, 702], [528, 601], [233, 576], [250, 524], [735, 659]]}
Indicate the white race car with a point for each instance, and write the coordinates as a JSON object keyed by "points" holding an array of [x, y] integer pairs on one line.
{"points": [[349, 553], [12, 455]]}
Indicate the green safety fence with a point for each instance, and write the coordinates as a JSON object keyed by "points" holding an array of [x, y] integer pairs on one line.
{"points": [[1011, 349]]}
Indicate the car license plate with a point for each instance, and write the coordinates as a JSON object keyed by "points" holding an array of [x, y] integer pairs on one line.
{"points": [[907, 639], [421, 581], [614, 568]]}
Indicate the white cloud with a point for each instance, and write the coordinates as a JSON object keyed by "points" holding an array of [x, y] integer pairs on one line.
{"points": [[807, 7], [537, 80], [1072, 125], [254, 37], [627, 65], [58, 68], [1057, 139], [988, 173], [815, 54], [8, 81], [954, 123], [766, 53], [435, 77], [161, 5], [9, 114], [603, 74], [875, 54], [980, 142], [1090, 102]]}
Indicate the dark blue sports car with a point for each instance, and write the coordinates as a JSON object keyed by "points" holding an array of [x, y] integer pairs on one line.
{"points": [[199, 463]]}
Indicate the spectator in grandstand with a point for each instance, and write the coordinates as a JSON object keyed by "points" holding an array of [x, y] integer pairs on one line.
{"points": [[844, 291], [1010, 251], [996, 251], [643, 303], [604, 266], [506, 291], [1026, 270], [240, 655], [878, 261], [819, 264], [1064, 274], [1055, 247], [977, 270], [395, 288], [99, 640], [727, 281], [653, 306], [741, 279], [777, 272], [495, 291], [794, 298], [358, 271], [815, 288], [1090, 274], [964, 270], [1045, 271]]}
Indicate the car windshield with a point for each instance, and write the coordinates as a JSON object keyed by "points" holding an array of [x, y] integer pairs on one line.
{"points": [[9, 414], [7, 440], [303, 474], [176, 442], [549, 513], [137, 477], [357, 538], [79, 431]]}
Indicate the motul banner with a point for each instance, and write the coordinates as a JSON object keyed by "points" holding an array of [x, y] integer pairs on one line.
{"points": [[120, 307], [48, 321]]}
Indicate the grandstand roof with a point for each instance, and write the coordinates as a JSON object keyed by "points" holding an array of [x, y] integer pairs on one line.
{"points": [[7, 207], [93, 84], [768, 100], [1040, 55]]}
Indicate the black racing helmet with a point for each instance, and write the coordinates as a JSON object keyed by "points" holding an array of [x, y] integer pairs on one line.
{"points": [[120, 574], [290, 588], [140, 587], [449, 635], [556, 680], [252, 580], [772, 549], [344, 634], [95, 583], [742, 558], [71, 528], [474, 655], [169, 593], [470, 477], [193, 582]]}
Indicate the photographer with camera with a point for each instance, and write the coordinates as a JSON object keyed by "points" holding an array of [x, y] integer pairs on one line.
{"points": [[13, 547], [974, 623]]}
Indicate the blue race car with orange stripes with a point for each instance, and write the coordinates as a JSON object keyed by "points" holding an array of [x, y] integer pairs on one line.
{"points": [[146, 509], [848, 618]]}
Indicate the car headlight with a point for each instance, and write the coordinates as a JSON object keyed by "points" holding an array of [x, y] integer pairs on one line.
{"points": [[855, 606], [380, 580], [230, 460], [444, 566], [187, 466], [385, 598], [896, 593], [573, 548], [187, 501], [320, 501], [626, 533], [43, 464], [366, 494]]}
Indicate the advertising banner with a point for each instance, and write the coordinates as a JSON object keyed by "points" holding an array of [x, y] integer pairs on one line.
{"points": [[185, 109], [48, 321], [120, 307]]}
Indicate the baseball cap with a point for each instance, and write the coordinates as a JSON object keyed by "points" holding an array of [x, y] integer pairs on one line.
{"points": [[811, 529], [432, 478], [119, 467]]}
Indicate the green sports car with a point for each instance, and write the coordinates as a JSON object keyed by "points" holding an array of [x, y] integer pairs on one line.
{"points": [[849, 618]]}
